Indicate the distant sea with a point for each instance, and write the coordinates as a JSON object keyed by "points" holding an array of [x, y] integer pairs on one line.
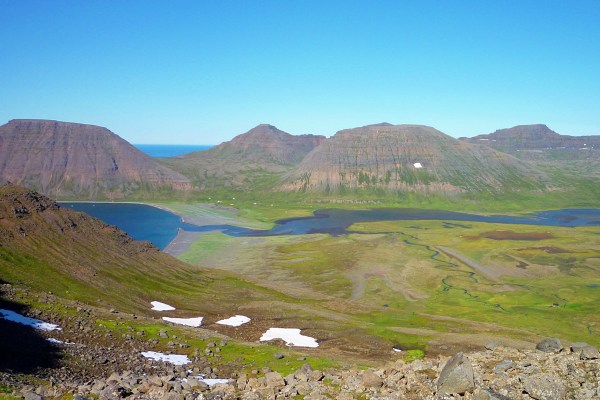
{"points": [[170, 150]]}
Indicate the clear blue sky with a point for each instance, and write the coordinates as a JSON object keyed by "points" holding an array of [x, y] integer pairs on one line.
{"points": [[201, 72]]}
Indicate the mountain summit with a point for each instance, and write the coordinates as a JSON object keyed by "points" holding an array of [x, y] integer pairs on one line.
{"points": [[406, 157], [253, 160], [533, 137], [69, 159], [266, 142]]}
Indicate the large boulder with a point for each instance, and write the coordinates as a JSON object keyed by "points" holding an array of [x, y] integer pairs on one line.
{"points": [[589, 353], [545, 387], [370, 379], [456, 376], [487, 394], [550, 345]]}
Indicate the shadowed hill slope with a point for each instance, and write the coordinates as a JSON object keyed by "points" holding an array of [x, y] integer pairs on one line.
{"points": [[50, 248], [408, 157], [69, 159]]}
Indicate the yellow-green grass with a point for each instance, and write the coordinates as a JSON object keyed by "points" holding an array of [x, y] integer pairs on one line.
{"points": [[244, 356], [392, 288]]}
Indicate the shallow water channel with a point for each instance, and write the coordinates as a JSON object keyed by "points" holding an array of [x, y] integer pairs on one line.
{"points": [[144, 222]]}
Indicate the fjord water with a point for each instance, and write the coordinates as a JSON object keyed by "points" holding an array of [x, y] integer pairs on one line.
{"points": [[144, 222]]}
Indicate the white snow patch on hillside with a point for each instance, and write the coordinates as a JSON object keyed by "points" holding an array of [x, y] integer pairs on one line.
{"points": [[214, 381], [158, 306], [177, 359], [236, 320], [290, 336], [418, 165], [195, 322], [34, 323]]}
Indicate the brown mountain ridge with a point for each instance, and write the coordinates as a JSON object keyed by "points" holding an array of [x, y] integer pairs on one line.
{"points": [[409, 158], [252, 160], [70, 159]]}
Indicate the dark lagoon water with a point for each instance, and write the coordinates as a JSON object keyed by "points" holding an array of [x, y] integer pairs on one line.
{"points": [[140, 221], [158, 226], [170, 150]]}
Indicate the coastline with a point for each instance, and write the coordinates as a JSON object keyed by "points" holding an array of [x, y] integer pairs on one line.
{"points": [[205, 215]]}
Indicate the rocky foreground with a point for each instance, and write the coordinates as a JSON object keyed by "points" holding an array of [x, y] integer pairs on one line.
{"points": [[99, 363], [548, 373]]}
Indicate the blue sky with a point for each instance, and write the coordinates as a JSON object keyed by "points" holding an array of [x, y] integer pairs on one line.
{"points": [[201, 72]]}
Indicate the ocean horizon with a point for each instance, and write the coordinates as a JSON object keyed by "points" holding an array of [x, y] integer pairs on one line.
{"points": [[171, 150]]}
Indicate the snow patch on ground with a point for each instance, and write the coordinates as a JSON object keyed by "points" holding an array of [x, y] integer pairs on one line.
{"points": [[290, 336], [211, 382], [158, 306], [236, 320], [55, 341], [418, 165], [176, 359], [208, 381], [195, 322], [34, 323]]}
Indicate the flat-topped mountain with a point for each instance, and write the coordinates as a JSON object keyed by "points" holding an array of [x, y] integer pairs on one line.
{"points": [[534, 137], [70, 159], [257, 157], [407, 157]]}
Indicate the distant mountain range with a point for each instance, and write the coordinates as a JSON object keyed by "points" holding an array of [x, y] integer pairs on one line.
{"points": [[534, 137], [88, 161]]}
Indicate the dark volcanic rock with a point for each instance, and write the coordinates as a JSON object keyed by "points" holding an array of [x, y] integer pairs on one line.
{"points": [[62, 158]]}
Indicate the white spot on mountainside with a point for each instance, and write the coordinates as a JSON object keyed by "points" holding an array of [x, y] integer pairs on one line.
{"points": [[290, 336], [158, 306], [177, 359], [195, 322], [236, 320], [34, 323], [418, 165]]}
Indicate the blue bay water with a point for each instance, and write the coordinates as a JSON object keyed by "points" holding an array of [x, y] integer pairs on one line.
{"points": [[144, 222], [170, 150], [141, 222]]}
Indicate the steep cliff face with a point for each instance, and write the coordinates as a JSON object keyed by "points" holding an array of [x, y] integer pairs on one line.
{"points": [[61, 158], [253, 160], [407, 157]]}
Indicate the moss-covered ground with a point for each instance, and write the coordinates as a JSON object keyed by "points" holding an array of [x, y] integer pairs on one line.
{"points": [[431, 284]]}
